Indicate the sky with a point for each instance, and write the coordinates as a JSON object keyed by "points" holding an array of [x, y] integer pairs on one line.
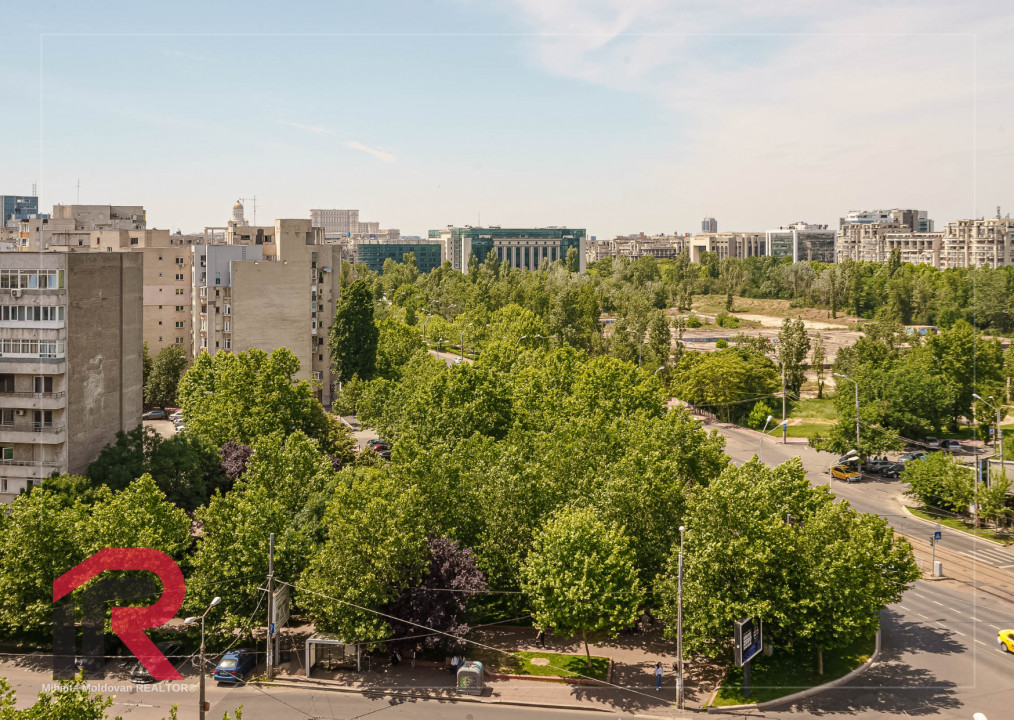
{"points": [[619, 116]]}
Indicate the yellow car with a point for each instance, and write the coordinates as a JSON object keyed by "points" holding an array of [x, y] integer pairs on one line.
{"points": [[1005, 639], [844, 472]]}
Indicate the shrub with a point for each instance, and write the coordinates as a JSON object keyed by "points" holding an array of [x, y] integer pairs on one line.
{"points": [[759, 415], [726, 320], [721, 344], [694, 322]]}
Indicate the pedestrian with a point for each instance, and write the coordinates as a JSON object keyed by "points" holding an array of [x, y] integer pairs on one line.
{"points": [[658, 676], [540, 639]]}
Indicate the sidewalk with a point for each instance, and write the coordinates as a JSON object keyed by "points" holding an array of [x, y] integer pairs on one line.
{"points": [[632, 687]]}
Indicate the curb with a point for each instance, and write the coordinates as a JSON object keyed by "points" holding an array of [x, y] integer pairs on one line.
{"points": [[802, 694], [421, 695]]}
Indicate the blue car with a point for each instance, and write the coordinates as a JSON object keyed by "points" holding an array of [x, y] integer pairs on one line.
{"points": [[235, 665]]}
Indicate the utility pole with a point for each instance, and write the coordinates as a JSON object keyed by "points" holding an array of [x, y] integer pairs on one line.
{"points": [[271, 610], [679, 625]]}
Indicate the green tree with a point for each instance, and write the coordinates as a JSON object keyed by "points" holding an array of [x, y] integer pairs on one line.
{"points": [[759, 415], [375, 548], [939, 481], [581, 577], [39, 541], [659, 346], [145, 363], [354, 335], [573, 260], [138, 516], [396, 344], [166, 371], [793, 347], [249, 395], [67, 701]]}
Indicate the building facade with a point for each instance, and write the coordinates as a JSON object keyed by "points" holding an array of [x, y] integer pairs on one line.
{"points": [[709, 225], [70, 361], [71, 226], [802, 241], [268, 295], [524, 248], [727, 244], [429, 254], [340, 224], [915, 220], [18, 207], [983, 242]]}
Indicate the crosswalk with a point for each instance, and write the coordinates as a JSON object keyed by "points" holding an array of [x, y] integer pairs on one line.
{"points": [[1002, 559]]}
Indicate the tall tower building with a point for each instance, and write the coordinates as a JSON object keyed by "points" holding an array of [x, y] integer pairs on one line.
{"points": [[709, 225]]}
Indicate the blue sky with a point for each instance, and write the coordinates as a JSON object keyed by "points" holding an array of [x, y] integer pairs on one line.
{"points": [[615, 115]]}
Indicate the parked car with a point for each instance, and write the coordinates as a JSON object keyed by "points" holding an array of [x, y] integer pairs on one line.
{"points": [[950, 445], [1005, 639], [846, 473], [909, 456], [931, 443], [155, 415], [381, 447], [883, 467], [172, 650], [178, 415], [235, 665]]}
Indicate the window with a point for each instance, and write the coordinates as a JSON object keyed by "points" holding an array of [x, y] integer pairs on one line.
{"points": [[179, 323], [179, 291], [8, 453], [218, 278], [160, 258], [43, 384], [43, 419], [228, 309], [7, 417], [179, 276], [179, 341], [228, 343], [159, 322], [6, 383], [227, 327], [179, 308], [3, 484]]}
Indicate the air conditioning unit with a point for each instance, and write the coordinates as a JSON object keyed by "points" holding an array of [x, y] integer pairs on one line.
{"points": [[16, 292], [19, 412]]}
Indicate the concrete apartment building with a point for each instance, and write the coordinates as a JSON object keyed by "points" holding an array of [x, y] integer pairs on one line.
{"points": [[524, 248], [964, 243], [71, 226], [916, 220], [802, 241], [167, 281], [253, 293], [70, 360], [983, 242], [660, 247]]}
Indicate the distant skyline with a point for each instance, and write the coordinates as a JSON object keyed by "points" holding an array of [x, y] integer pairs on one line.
{"points": [[618, 116]]}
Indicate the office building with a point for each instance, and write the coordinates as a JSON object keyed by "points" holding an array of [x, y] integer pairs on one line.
{"points": [[429, 254], [709, 225], [17, 207], [525, 248], [660, 247], [727, 244], [269, 290], [70, 360], [915, 220], [802, 241], [341, 224]]}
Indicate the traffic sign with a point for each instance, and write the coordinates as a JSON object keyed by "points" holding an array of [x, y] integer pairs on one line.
{"points": [[938, 535]]}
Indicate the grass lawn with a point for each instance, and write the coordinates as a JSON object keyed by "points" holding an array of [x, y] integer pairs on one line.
{"points": [[789, 670], [822, 409], [806, 429], [957, 524], [559, 665]]}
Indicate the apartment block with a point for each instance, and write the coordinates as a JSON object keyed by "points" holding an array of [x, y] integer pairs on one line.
{"points": [[660, 247], [70, 360], [70, 226], [259, 294], [915, 220], [167, 280], [524, 248], [983, 242]]}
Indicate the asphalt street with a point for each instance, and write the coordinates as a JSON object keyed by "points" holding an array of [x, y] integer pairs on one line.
{"points": [[868, 495]]}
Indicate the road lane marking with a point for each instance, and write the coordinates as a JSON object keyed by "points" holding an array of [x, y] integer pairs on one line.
{"points": [[980, 642], [939, 603], [922, 616]]}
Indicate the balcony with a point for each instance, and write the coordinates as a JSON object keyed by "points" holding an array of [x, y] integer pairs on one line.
{"points": [[32, 401], [33, 433], [30, 469]]}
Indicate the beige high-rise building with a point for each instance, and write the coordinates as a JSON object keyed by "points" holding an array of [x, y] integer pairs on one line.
{"points": [[964, 243], [70, 226], [168, 282], [256, 293], [70, 360], [986, 241]]}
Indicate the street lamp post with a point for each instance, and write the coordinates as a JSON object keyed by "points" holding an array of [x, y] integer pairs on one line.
{"points": [[846, 377], [519, 341], [850, 456], [679, 623], [659, 370], [193, 621], [998, 439], [424, 324], [463, 339]]}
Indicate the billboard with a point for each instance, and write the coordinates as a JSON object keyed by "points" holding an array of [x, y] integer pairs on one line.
{"points": [[748, 640]]}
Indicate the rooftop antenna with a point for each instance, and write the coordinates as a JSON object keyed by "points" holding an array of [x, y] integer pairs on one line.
{"points": [[253, 204], [35, 189], [79, 191], [997, 212]]}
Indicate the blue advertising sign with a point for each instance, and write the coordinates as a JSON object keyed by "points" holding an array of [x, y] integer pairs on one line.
{"points": [[749, 640]]}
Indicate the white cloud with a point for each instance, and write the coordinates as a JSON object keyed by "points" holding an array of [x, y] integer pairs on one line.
{"points": [[786, 110], [319, 129], [379, 154]]}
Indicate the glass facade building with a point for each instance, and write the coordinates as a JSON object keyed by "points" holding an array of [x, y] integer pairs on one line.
{"points": [[21, 207], [428, 255], [525, 248]]}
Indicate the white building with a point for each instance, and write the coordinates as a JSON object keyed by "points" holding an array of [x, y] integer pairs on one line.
{"points": [[916, 220], [802, 241]]}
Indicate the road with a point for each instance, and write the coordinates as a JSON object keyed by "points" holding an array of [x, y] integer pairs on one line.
{"points": [[869, 495]]}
